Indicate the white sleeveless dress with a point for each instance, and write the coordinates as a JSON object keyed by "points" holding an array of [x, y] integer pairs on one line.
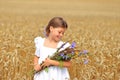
{"points": [[54, 72]]}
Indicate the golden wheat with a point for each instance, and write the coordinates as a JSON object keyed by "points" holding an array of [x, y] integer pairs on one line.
{"points": [[98, 33]]}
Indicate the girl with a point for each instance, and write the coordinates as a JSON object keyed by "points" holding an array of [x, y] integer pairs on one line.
{"points": [[46, 47]]}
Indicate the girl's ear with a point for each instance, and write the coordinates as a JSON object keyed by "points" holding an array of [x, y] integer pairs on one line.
{"points": [[51, 28]]}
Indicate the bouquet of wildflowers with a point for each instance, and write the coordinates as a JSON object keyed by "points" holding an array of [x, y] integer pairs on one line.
{"points": [[67, 54]]}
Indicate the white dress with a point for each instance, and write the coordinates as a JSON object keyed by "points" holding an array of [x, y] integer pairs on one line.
{"points": [[54, 72]]}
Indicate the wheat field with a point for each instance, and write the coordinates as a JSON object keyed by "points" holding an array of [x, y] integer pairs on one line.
{"points": [[94, 25]]}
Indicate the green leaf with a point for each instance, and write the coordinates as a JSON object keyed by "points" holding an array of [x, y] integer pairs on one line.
{"points": [[46, 69]]}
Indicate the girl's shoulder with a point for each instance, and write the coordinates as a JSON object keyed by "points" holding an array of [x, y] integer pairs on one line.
{"points": [[38, 40]]}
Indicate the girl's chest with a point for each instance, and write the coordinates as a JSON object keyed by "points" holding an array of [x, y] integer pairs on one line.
{"points": [[45, 52]]}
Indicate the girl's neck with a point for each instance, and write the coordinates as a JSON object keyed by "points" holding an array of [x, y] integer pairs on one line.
{"points": [[49, 42]]}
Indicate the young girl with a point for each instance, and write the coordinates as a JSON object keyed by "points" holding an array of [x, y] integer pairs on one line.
{"points": [[46, 47]]}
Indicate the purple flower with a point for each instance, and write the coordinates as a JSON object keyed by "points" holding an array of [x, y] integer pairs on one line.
{"points": [[86, 61], [63, 57], [62, 54], [66, 57], [85, 51], [72, 52], [73, 45]]}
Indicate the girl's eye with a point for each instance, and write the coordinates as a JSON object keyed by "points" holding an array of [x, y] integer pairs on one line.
{"points": [[61, 33]]}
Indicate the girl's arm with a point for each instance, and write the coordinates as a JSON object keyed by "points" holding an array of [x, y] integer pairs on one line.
{"points": [[49, 62], [36, 65], [63, 63]]}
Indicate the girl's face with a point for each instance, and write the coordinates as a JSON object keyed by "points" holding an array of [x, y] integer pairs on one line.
{"points": [[57, 33]]}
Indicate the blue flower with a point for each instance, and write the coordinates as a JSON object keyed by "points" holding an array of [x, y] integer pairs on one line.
{"points": [[72, 52], [62, 54], [63, 57], [85, 51], [66, 57], [73, 45], [86, 61]]}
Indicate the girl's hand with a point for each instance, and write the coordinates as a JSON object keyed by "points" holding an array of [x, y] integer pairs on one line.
{"points": [[37, 67], [46, 63]]}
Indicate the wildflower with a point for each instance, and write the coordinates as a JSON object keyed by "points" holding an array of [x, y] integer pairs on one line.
{"points": [[68, 53], [86, 61], [85, 51], [62, 54], [73, 45]]}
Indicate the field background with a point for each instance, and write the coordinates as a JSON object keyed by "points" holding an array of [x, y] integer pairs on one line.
{"points": [[93, 24]]}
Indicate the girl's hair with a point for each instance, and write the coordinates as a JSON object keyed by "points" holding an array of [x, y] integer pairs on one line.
{"points": [[55, 22]]}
